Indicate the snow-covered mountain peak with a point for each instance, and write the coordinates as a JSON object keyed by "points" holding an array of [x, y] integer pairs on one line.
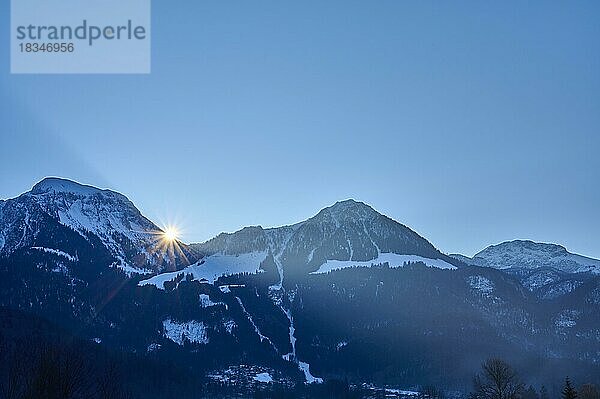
{"points": [[52, 188], [130, 238], [89, 209], [347, 210], [523, 246], [59, 185], [526, 254], [348, 204], [349, 231]]}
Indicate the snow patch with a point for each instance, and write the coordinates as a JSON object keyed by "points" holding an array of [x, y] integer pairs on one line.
{"points": [[153, 347], [212, 267], [226, 289], [205, 302], [562, 288], [341, 345], [60, 268], [394, 260], [263, 377], [567, 319], [402, 392], [256, 329], [291, 357], [310, 255], [310, 379], [229, 326], [192, 331], [128, 270], [481, 284], [57, 252]]}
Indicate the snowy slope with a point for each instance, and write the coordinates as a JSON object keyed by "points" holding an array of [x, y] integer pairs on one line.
{"points": [[392, 260], [212, 267]]}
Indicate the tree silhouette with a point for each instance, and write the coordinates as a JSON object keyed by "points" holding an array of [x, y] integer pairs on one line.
{"points": [[497, 380], [589, 391], [530, 393], [568, 391]]}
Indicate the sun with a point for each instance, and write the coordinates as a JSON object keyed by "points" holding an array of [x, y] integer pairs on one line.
{"points": [[170, 234], [165, 245]]}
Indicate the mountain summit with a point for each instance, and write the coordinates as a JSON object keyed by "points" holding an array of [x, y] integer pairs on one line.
{"points": [[345, 234], [60, 185], [105, 220], [526, 254]]}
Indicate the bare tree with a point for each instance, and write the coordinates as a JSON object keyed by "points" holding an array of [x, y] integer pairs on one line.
{"points": [[58, 373], [497, 380], [589, 391], [18, 377]]}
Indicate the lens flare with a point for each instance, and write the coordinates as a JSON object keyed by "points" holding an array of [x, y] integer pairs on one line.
{"points": [[171, 234], [165, 249]]}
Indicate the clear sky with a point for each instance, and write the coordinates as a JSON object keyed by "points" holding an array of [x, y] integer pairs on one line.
{"points": [[471, 122]]}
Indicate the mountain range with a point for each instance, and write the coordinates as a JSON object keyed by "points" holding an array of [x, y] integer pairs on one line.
{"points": [[348, 294]]}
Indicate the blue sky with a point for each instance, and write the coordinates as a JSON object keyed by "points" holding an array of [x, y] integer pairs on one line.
{"points": [[471, 122]]}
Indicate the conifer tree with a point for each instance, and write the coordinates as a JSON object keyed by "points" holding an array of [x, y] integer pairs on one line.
{"points": [[568, 391]]}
